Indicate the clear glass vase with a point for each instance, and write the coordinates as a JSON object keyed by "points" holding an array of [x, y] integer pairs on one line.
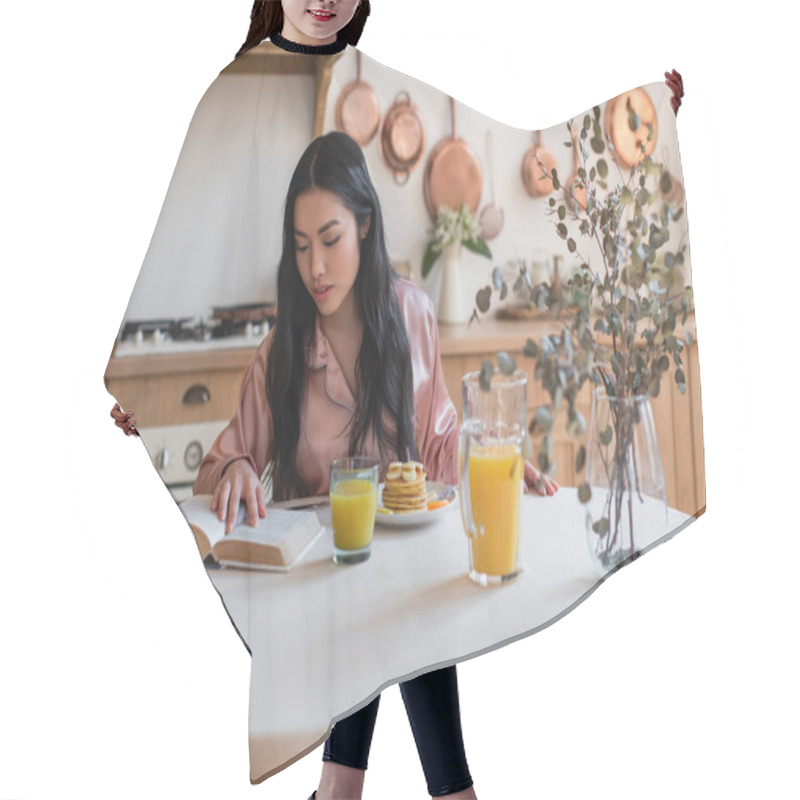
{"points": [[627, 510]]}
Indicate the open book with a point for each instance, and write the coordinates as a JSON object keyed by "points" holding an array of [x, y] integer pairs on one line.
{"points": [[276, 542]]}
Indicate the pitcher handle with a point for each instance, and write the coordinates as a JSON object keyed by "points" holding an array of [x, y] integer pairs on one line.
{"points": [[464, 443]]}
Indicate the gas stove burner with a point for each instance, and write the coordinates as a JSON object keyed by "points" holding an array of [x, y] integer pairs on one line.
{"points": [[233, 327], [173, 329]]}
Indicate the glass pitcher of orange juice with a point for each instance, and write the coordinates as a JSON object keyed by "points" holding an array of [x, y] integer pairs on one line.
{"points": [[490, 473]]}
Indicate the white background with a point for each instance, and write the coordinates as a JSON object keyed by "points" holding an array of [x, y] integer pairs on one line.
{"points": [[120, 675]]}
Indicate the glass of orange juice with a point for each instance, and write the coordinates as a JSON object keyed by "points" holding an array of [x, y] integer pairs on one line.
{"points": [[354, 498], [491, 474]]}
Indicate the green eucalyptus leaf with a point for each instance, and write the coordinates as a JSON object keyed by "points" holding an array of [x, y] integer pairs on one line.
{"points": [[602, 526], [633, 118], [503, 291], [506, 363], [531, 349], [543, 462], [587, 123], [680, 377], [562, 212], [571, 246], [479, 246], [665, 184], [429, 259], [485, 379], [602, 168], [584, 493], [554, 176], [580, 459], [483, 299], [576, 427], [497, 278], [544, 419], [562, 230], [597, 145], [606, 435]]}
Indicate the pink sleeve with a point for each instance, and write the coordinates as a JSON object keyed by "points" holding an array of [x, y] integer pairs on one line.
{"points": [[249, 434], [437, 419]]}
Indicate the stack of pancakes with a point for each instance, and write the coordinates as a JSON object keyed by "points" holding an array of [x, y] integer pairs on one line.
{"points": [[404, 489]]}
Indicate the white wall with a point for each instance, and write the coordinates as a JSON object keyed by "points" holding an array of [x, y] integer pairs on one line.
{"points": [[218, 236]]}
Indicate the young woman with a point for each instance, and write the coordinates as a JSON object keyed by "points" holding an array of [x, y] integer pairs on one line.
{"points": [[351, 367]]}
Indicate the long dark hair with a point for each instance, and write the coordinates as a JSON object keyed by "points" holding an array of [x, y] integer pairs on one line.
{"points": [[336, 163], [266, 19]]}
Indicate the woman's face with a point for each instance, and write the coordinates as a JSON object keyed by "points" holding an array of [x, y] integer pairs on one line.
{"points": [[316, 21], [327, 250]]}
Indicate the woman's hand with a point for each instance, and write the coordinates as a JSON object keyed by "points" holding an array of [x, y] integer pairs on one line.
{"points": [[675, 82], [124, 420], [541, 483], [239, 482]]}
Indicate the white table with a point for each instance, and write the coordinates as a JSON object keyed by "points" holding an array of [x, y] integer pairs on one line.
{"points": [[326, 639]]}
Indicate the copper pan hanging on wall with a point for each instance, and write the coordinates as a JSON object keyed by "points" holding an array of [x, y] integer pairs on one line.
{"points": [[537, 182], [402, 137], [452, 174], [358, 110], [618, 126]]}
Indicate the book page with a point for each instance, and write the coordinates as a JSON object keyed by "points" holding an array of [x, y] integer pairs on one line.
{"points": [[197, 511], [274, 529]]}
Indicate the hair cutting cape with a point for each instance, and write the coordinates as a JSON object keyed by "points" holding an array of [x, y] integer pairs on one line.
{"points": [[325, 639]]}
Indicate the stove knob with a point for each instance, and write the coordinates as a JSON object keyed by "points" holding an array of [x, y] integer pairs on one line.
{"points": [[193, 455]]}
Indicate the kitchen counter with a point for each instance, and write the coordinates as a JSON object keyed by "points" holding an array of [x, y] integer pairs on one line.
{"points": [[492, 335]]}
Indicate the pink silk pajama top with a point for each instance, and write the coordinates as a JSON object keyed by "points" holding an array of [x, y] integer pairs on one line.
{"points": [[329, 408]]}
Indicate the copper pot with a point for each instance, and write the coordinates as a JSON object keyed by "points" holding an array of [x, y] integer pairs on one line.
{"points": [[617, 126], [358, 110], [538, 183], [452, 174], [402, 138]]}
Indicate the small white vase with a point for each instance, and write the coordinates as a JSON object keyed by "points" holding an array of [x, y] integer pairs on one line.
{"points": [[451, 306]]}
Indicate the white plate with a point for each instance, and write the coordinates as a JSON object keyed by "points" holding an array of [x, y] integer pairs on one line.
{"points": [[413, 519]]}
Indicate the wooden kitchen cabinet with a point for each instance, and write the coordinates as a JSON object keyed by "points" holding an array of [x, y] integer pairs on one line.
{"points": [[155, 387], [677, 417]]}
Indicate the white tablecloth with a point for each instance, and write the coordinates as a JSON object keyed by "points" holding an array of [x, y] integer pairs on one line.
{"points": [[326, 639]]}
